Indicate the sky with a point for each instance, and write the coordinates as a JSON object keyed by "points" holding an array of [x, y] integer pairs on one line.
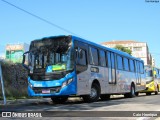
{"points": [[94, 20]]}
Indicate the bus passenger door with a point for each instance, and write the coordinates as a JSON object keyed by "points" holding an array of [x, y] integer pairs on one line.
{"points": [[138, 75], [81, 52], [111, 71]]}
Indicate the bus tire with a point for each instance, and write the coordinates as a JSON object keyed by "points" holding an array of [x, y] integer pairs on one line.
{"points": [[137, 93], [157, 90], [94, 95], [105, 97], [148, 93], [61, 99], [132, 93]]}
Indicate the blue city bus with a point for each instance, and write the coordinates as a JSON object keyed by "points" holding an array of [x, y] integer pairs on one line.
{"points": [[63, 66]]}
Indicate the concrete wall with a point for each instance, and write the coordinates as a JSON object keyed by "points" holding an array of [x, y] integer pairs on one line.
{"points": [[15, 80]]}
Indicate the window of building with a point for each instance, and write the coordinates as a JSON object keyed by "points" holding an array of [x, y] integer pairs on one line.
{"points": [[7, 54], [125, 64], [102, 58], [137, 48], [119, 62], [93, 56]]}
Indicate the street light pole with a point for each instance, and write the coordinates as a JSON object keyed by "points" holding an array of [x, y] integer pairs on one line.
{"points": [[3, 92]]}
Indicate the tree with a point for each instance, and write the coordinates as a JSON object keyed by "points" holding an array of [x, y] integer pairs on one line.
{"points": [[122, 48]]}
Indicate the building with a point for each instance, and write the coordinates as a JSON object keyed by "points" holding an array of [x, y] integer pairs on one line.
{"points": [[153, 62], [2, 52], [14, 52], [2, 56], [139, 49]]}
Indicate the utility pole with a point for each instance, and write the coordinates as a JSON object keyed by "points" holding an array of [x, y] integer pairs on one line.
{"points": [[3, 92]]}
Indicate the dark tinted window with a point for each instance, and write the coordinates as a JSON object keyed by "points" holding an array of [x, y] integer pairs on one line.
{"points": [[102, 59], [109, 59], [112, 60], [125, 64], [141, 67], [119, 62], [131, 63], [82, 58], [93, 56], [137, 66]]}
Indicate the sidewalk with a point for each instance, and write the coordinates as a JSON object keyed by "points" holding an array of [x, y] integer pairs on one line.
{"points": [[25, 101], [35, 101], [43, 100]]}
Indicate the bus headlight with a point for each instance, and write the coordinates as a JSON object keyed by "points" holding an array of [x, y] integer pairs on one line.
{"points": [[67, 82], [30, 85]]}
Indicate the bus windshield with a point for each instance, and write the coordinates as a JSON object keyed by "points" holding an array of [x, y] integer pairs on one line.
{"points": [[149, 73], [51, 55]]}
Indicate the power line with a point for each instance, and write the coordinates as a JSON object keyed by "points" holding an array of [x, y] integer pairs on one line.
{"points": [[40, 18]]}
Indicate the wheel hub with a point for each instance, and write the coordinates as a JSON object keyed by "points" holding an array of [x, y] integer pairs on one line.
{"points": [[93, 93]]}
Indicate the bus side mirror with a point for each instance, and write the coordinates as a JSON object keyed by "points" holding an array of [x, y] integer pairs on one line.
{"points": [[24, 59], [80, 54], [76, 53]]}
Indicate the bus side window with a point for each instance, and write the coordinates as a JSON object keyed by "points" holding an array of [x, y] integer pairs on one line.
{"points": [[93, 56], [132, 66], [102, 59], [108, 59], [138, 66], [119, 63], [82, 57], [135, 66], [125, 63], [141, 67], [155, 72], [113, 61]]}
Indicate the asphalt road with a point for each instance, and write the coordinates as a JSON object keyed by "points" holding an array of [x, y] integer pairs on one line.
{"points": [[141, 107]]}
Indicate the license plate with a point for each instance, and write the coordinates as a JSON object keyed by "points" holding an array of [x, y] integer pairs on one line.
{"points": [[45, 91]]}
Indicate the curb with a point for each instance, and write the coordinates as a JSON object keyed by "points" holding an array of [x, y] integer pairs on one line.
{"points": [[43, 100]]}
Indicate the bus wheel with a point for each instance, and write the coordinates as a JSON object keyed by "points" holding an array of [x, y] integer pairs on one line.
{"points": [[137, 93], [94, 95], [61, 99], [105, 97], [148, 93], [132, 92], [156, 92]]}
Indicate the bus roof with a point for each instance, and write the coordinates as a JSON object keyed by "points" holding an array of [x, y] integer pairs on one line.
{"points": [[94, 44], [106, 48]]}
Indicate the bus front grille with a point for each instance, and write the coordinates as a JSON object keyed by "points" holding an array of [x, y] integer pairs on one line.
{"points": [[39, 90]]}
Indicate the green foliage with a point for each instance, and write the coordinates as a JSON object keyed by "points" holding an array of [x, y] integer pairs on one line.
{"points": [[121, 48]]}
